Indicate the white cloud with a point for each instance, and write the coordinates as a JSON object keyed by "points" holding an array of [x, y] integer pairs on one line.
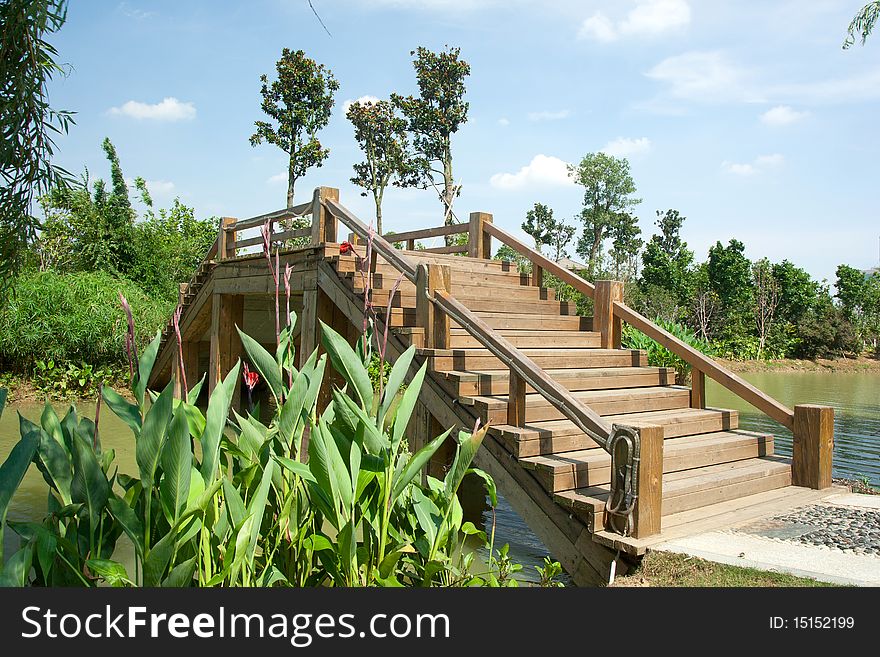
{"points": [[549, 116], [543, 170], [504, 121], [648, 18], [625, 147], [277, 178], [169, 109], [702, 76], [760, 164], [363, 99], [782, 115], [134, 12]]}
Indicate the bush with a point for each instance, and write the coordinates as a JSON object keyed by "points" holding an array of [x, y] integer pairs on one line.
{"points": [[660, 356], [73, 318]]}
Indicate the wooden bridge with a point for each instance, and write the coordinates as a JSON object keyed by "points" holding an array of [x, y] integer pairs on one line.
{"points": [[600, 453]]}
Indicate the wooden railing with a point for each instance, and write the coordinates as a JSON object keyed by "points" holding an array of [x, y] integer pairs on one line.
{"points": [[228, 240]]}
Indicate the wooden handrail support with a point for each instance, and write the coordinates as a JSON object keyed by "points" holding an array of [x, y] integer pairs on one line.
{"points": [[479, 241], [605, 321], [226, 238], [324, 224], [812, 444], [430, 279]]}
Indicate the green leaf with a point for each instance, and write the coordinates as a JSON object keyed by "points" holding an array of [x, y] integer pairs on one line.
{"points": [[155, 430], [157, 560], [295, 467], [176, 466], [145, 367], [406, 406], [124, 409], [193, 395], [55, 465], [490, 485], [218, 412], [257, 507], [317, 542], [468, 444], [181, 575], [129, 522], [52, 425], [416, 463], [17, 569], [346, 362], [3, 395], [395, 380], [264, 363], [110, 571], [12, 472], [89, 485]]}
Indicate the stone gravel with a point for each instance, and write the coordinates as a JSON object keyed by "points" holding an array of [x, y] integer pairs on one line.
{"points": [[842, 528]]}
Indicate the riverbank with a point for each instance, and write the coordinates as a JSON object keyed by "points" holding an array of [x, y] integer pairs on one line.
{"points": [[836, 365], [25, 391]]}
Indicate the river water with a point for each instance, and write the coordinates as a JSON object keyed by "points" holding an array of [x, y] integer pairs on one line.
{"points": [[854, 396]]}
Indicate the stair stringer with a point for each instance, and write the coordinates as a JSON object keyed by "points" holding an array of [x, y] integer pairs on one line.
{"points": [[564, 534]]}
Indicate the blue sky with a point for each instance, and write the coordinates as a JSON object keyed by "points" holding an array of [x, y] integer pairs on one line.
{"points": [[746, 116]]}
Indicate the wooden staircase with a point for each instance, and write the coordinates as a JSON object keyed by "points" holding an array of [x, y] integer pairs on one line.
{"points": [[575, 420], [707, 458]]}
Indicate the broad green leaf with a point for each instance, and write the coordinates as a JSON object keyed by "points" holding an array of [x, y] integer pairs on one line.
{"points": [[52, 425], [468, 444], [234, 504], [55, 465], [124, 409], [152, 437], [145, 367], [129, 521], [317, 542], [406, 406], [257, 507], [218, 412], [15, 572], [181, 575], [193, 395], [176, 466], [264, 363], [416, 463], [12, 472], [89, 485], [110, 571], [295, 467], [395, 380], [346, 362], [490, 485], [158, 558]]}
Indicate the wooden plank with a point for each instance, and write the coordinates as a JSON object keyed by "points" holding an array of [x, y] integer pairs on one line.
{"points": [[227, 311], [698, 389], [287, 213], [812, 446], [647, 512], [604, 320], [426, 233], [453, 248], [537, 276], [226, 238], [516, 400], [309, 338], [324, 224], [476, 234]]}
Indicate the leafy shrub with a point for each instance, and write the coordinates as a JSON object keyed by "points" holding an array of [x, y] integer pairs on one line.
{"points": [[73, 318], [660, 356], [67, 380]]}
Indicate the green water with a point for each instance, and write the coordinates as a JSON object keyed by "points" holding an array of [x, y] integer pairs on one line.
{"points": [[854, 396]]}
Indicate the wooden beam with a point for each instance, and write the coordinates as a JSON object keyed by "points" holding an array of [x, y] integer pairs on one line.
{"points": [[429, 279], [309, 338], [479, 241], [190, 350], [227, 312], [226, 239], [647, 513], [698, 389], [324, 224], [604, 319], [812, 445], [537, 275], [516, 400]]}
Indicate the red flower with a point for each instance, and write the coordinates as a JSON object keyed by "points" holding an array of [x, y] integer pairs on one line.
{"points": [[345, 247], [251, 379]]}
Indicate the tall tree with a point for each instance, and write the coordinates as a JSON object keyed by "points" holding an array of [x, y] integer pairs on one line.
{"points": [[547, 231], [608, 198], [862, 24], [667, 261], [765, 300], [299, 103], [730, 274], [382, 136], [27, 123], [625, 246], [434, 116]]}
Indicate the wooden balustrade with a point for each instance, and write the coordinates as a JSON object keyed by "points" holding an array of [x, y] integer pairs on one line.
{"points": [[812, 444], [430, 279], [605, 322], [479, 241]]}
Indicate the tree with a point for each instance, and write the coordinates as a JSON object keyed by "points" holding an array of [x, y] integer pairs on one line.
{"points": [[547, 231], [299, 102], [798, 292], [608, 198], [27, 123], [730, 274], [862, 24], [766, 301], [859, 297], [625, 246], [383, 139], [705, 304], [436, 115], [667, 261]]}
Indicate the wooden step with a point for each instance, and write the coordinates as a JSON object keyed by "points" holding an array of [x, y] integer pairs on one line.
{"points": [[592, 467], [482, 304], [496, 382], [461, 339], [493, 410], [407, 290], [691, 489], [503, 321], [481, 359]]}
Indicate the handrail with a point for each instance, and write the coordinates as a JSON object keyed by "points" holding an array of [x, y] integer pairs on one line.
{"points": [[699, 361], [582, 416], [545, 263], [286, 213], [427, 233]]}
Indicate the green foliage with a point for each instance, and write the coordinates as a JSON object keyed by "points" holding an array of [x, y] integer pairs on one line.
{"points": [[660, 356], [72, 318], [859, 297], [608, 199], [382, 136], [862, 24], [244, 508], [298, 103], [548, 574], [548, 231], [67, 380], [666, 262], [434, 116], [28, 124]]}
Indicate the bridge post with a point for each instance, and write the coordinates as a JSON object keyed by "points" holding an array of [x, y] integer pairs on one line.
{"points": [[324, 224], [227, 311], [479, 241], [604, 321], [226, 238], [698, 388], [430, 277], [647, 512], [812, 444]]}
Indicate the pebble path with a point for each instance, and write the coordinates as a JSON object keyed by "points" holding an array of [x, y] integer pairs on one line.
{"points": [[837, 527]]}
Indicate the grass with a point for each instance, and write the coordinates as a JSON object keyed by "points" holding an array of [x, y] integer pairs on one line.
{"points": [[667, 569]]}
